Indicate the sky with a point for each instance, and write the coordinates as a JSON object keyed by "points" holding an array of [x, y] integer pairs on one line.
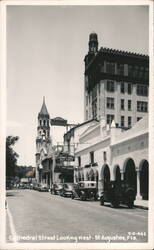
{"points": [[46, 46]]}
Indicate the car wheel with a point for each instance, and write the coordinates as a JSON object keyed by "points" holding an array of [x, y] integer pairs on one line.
{"points": [[115, 204], [101, 201], [130, 204]]}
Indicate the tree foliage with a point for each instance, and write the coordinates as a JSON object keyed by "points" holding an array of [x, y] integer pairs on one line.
{"points": [[11, 155]]}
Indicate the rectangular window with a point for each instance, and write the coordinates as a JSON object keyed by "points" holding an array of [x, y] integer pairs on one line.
{"points": [[110, 86], [129, 121], [94, 109], [120, 69], [122, 121], [79, 161], [142, 106], [142, 90], [139, 118], [129, 105], [130, 71], [110, 103], [122, 87], [129, 88], [92, 157], [110, 67], [110, 118], [122, 104]]}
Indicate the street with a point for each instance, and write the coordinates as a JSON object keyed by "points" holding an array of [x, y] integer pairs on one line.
{"points": [[34, 216]]}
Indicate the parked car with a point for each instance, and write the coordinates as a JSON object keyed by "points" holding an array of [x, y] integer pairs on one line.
{"points": [[42, 188], [85, 190], [67, 189], [118, 194], [57, 188]]}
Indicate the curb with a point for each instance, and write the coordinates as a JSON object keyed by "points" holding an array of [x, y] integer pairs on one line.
{"points": [[141, 207]]}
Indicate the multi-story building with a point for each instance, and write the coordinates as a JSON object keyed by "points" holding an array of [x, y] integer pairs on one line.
{"points": [[116, 85]]}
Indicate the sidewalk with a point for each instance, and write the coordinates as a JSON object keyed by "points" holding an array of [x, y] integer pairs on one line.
{"points": [[141, 204]]}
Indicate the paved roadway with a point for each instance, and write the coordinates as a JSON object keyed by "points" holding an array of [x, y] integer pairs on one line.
{"points": [[34, 216]]}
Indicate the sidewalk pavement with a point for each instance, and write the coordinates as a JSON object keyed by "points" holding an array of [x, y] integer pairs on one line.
{"points": [[141, 204]]}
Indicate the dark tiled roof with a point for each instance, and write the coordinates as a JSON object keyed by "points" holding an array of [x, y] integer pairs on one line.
{"points": [[122, 53]]}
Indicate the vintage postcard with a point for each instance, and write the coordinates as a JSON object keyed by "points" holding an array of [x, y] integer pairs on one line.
{"points": [[77, 124]]}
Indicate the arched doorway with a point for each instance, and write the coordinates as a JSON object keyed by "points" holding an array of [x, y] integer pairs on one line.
{"points": [[105, 176], [144, 180], [130, 176]]}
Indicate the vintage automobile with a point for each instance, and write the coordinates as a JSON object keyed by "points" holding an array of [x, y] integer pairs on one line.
{"points": [[67, 189], [118, 194], [85, 190], [56, 188], [42, 188]]}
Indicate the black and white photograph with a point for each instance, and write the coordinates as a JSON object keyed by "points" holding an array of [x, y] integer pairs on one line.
{"points": [[77, 91]]}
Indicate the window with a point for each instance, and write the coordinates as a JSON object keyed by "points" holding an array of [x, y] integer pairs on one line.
{"points": [[129, 105], [120, 69], [110, 86], [86, 114], [86, 100], [110, 103], [94, 109], [129, 121], [122, 121], [142, 106], [79, 161], [141, 72], [44, 122], [110, 67], [122, 104], [40, 122], [129, 88], [146, 73], [139, 118], [110, 118], [92, 157], [122, 87], [142, 90], [130, 70]]}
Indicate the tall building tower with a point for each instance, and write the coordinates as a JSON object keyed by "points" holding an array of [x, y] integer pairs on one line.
{"points": [[43, 139], [116, 85]]}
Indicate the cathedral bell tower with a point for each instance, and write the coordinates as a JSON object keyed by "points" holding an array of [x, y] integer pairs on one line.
{"points": [[43, 139]]}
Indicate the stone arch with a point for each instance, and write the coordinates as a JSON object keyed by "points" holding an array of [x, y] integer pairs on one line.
{"points": [[87, 177], [144, 179], [105, 176], [130, 177]]}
